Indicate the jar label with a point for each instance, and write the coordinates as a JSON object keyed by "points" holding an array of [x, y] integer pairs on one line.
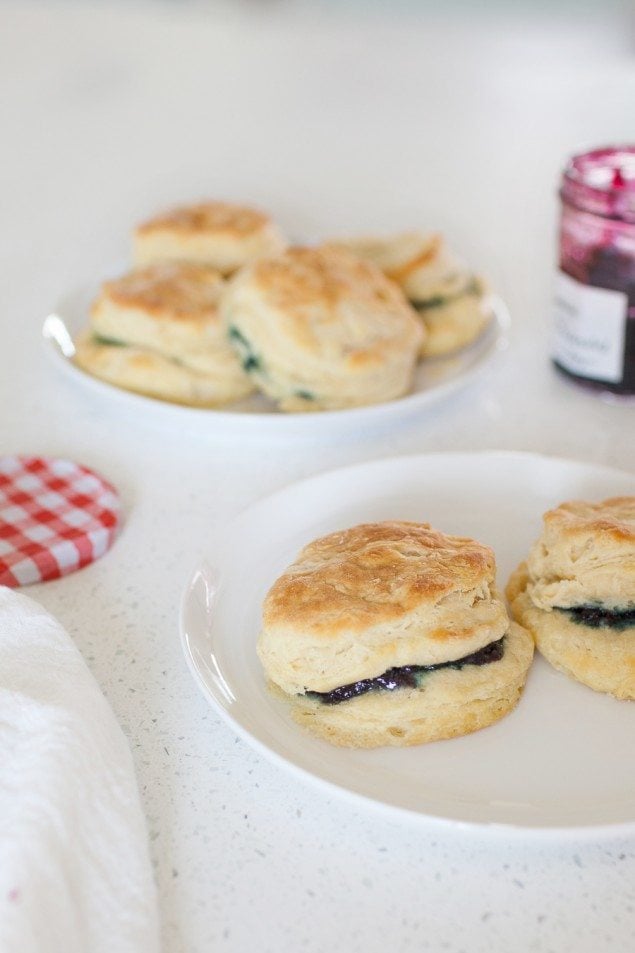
{"points": [[589, 329]]}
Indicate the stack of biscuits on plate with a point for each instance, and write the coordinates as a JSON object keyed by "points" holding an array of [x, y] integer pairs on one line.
{"points": [[218, 305], [158, 330]]}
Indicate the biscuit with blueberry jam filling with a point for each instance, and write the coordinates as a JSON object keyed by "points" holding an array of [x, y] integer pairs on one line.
{"points": [[392, 633], [576, 593], [158, 331]]}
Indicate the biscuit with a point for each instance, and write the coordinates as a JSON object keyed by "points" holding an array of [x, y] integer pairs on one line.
{"points": [[392, 633], [158, 331], [450, 300], [576, 593], [322, 330], [218, 234]]}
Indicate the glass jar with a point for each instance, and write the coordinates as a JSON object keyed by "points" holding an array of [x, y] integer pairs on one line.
{"points": [[594, 327]]}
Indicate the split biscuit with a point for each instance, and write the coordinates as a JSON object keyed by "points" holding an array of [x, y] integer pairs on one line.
{"points": [[392, 634], [576, 593], [158, 331]]}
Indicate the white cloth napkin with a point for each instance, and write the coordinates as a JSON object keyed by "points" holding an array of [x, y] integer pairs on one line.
{"points": [[75, 874]]}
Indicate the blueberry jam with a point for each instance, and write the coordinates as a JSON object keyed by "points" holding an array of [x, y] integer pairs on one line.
{"points": [[251, 363], [249, 360], [597, 617], [438, 301], [594, 308], [407, 676], [108, 342], [238, 337]]}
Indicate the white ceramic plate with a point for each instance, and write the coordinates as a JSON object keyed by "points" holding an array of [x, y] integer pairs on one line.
{"points": [[562, 760], [256, 416]]}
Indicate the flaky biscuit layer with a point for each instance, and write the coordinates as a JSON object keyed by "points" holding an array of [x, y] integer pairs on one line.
{"points": [[154, 375], [586, 553]]}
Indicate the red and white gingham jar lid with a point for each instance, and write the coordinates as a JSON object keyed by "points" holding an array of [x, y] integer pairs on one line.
{"points": [[55, 517]]}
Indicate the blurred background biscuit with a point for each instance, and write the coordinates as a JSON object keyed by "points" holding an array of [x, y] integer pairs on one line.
{"points": [[448, 297], [159, 331], [319, 329], [219, 234]]}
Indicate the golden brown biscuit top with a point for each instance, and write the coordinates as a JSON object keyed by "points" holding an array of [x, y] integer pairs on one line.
{"points": [[209, 217], [304, 281], [611, 520], [374, 573], [183, 289]]}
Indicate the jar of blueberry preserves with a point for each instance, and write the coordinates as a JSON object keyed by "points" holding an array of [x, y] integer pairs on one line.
{"points": [[594, 326]]}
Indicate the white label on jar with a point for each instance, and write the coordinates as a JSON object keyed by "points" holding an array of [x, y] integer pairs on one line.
{"points": [[589, 330]]}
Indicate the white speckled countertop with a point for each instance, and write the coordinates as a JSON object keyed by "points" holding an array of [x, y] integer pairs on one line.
{"points": [[334, 121]]}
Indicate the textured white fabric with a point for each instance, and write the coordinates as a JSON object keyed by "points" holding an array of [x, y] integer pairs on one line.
{"points": [[75, 875]]}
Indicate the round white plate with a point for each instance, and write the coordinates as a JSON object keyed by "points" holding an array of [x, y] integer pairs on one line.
{"points": [[561, 760], [257, 416]]}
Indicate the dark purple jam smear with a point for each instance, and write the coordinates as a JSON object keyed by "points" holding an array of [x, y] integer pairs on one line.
{"points": [[407, 676], [597, 617]]}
